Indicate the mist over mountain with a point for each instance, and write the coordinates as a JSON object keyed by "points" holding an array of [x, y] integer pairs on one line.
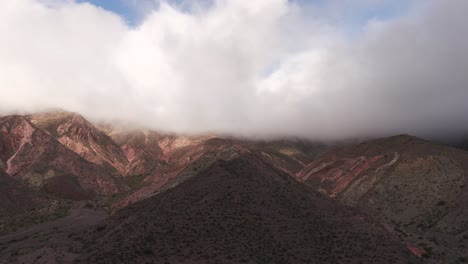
{"points": [[258, 68]]}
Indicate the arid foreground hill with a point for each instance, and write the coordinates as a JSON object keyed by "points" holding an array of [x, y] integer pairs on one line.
{"points": [[240, 211], [15, 198]]}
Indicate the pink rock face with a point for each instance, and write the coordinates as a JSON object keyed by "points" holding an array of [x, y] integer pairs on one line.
{"points": [[79, 135], [38, 158], [17, 135], [130, 152], [162, 158], [173, 156], [335, 174], [415, 250]]}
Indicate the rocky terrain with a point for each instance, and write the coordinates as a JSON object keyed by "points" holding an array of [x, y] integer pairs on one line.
{"points": [[21, 206], [33, 156], [240, 210], [415, 188], [79, 135], [159, 161], [15, 198]]}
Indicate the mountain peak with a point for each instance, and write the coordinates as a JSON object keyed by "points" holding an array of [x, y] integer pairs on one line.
{"points": [[79, 135], [34, 156]]}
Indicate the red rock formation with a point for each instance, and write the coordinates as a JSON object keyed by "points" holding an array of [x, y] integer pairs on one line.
{"points": [[335, 175], [36, 157], [416, 250], [79, 135], [415, 188], [166, 160]]}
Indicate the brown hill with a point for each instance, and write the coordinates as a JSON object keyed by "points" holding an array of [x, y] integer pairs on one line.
{"points": [[240, 211], [417, 189], [165, 160], [181, 158], [14, 198], [35, 157], [79, 135], [21, 206]]}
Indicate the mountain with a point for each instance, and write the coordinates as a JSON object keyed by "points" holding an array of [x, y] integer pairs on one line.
{"points": [[240, 210], [180, 158], [79, 135], [153, 153], [141, 149], [415, 188], [187, 199], [149, 161], [288, 155], [165, 160], [31, 155]]}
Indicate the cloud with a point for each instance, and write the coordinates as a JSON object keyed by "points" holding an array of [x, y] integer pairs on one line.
{"points": [[253, 68]]}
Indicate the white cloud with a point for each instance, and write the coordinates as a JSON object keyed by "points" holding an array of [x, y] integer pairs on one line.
{"points": [[262, 68]]}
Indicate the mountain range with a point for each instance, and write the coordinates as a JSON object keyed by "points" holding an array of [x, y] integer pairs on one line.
{"points": [[74, 191]]}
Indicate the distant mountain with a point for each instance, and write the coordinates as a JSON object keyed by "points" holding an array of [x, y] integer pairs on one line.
{"points": [[29, 154], [241, 210], [415, 188]]}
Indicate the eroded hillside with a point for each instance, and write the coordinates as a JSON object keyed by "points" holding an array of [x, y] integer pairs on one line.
{"points": [[417, 189]]}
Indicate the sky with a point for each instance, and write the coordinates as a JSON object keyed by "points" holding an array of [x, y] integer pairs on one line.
{"points": [[319, 69], [352, 14]]}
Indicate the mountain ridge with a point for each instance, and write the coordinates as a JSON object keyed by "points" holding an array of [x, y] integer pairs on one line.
{"points": [[36, 157], [409, 192], [240, 211]]}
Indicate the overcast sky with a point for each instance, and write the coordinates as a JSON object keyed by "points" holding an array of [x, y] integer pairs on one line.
{"points": [[317, 69]]}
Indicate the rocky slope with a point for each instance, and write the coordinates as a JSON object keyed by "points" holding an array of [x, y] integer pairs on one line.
{"points": [[415, 188], [165, 160], [79, 135], [33, 156], [241, 210], [15, 198], [21, 207], [182, 157], [142, 150], [147, 161]]}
